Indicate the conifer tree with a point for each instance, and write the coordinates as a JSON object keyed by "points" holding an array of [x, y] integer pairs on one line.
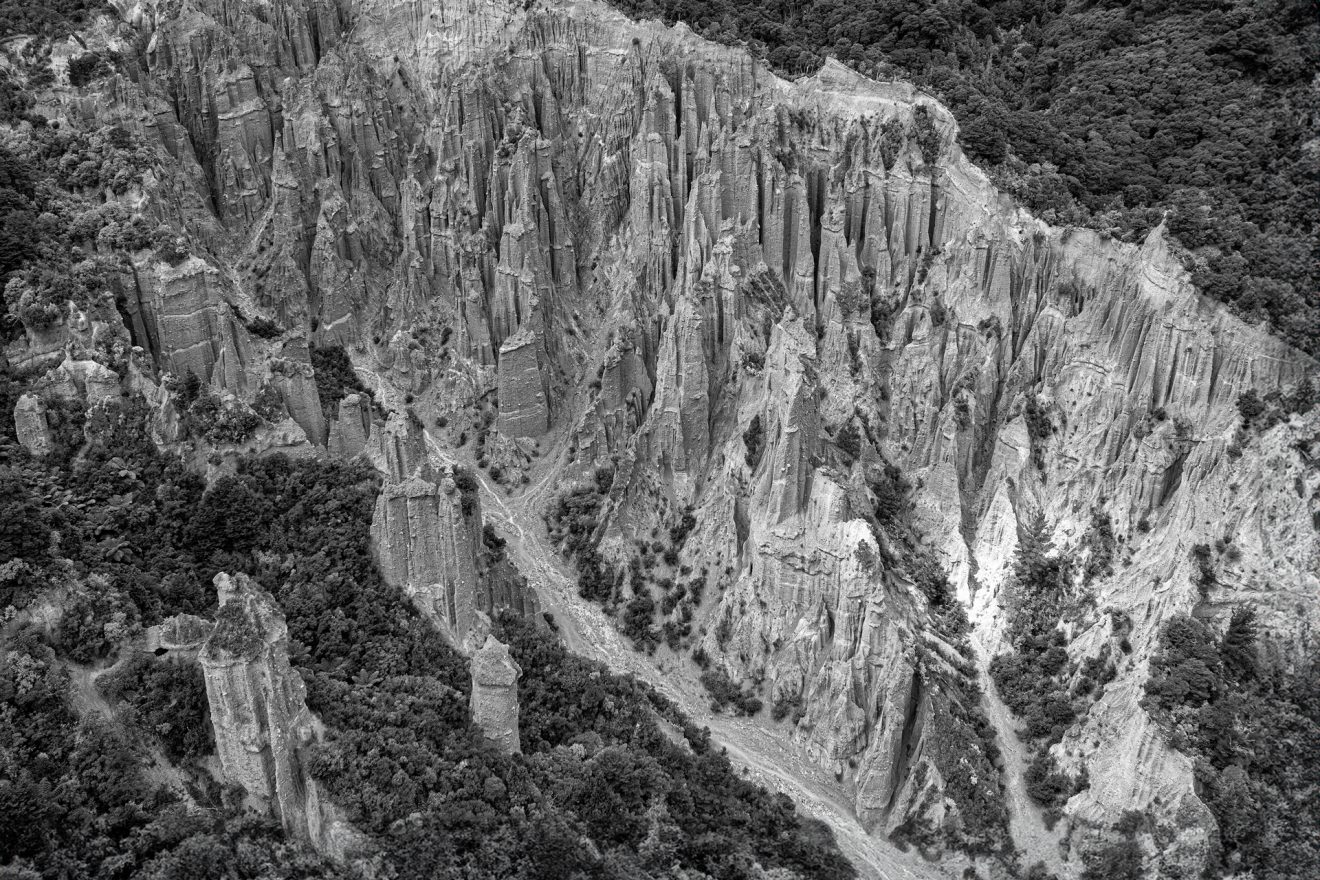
{"points": [[1238, 648]]}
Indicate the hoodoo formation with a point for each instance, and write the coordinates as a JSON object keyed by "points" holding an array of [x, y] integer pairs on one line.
{"points": [[602, 338]]}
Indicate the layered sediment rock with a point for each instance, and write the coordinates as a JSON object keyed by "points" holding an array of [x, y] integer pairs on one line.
{"points": [[31, 427], [191, 326], [494, 701], [180, 638], [260, 716], [351, 429], [427, 534], [293, 376], [650, 242], [523, 410]]}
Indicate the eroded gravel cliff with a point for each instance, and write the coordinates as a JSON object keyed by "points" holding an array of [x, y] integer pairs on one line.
{"points": [[641, 244]]}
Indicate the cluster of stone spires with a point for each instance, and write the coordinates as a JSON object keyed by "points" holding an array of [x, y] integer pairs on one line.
{"points": [[259, 711]]}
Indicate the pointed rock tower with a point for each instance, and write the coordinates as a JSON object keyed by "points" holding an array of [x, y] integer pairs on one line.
{"points": [[495, 694], [261, 720]]}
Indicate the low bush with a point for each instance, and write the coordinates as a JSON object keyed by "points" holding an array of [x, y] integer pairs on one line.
{"points": [[168, 701], [725, 693], [753, 442]]}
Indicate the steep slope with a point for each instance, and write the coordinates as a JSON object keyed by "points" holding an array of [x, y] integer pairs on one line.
{"points": [[650, 250]]}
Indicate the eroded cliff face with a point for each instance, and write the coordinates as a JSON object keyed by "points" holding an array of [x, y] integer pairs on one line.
{"points": [[259, 712], [427, 531], [644, 243]]}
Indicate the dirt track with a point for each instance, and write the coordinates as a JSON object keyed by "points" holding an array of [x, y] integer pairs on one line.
{"points": [[764, 755], [1024, 818]]}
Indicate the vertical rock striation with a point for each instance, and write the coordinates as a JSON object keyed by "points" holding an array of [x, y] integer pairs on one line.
{"points": [[258, 709], [523, 409], [31, 427], [427, 534], [351, 429], [649, 243], [494, 699]]}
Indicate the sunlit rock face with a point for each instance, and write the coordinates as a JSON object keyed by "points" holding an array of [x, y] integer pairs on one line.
{"points": [[428, 540], [641, 243], [427, 533], [494, 699], [259, 713], [31, 426]]}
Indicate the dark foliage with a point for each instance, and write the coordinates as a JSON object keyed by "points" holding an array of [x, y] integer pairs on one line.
{"points": [[572, 524], [93, 622], [1033, 680], [75, 800], [1116, 861], [1206, 578], [725, 693], [85, 68], [402, 758], [638, 616], [1099, 543], [891, 490], [1262, 412], [1039, 428], [679, 531], [721, 821], [468, 491], [1238, 648], [49, 18], [24, 533], [1254, 737], [265, 328], [396, 696], [849, 441], [61, 238], [959, 737], [962, 745]]}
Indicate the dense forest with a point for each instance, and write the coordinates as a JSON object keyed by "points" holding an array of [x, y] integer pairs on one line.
{"points": [[1254, 732], [129, 537], [1110, 114], [960, 740], [120, 536], [49, 18], [1036, 679]]}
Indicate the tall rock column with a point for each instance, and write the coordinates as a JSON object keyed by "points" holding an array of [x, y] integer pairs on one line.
{"points": [[259, 712], [427, 534], [495, 695], [31, 426], [350, 432], [523, 408]]}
